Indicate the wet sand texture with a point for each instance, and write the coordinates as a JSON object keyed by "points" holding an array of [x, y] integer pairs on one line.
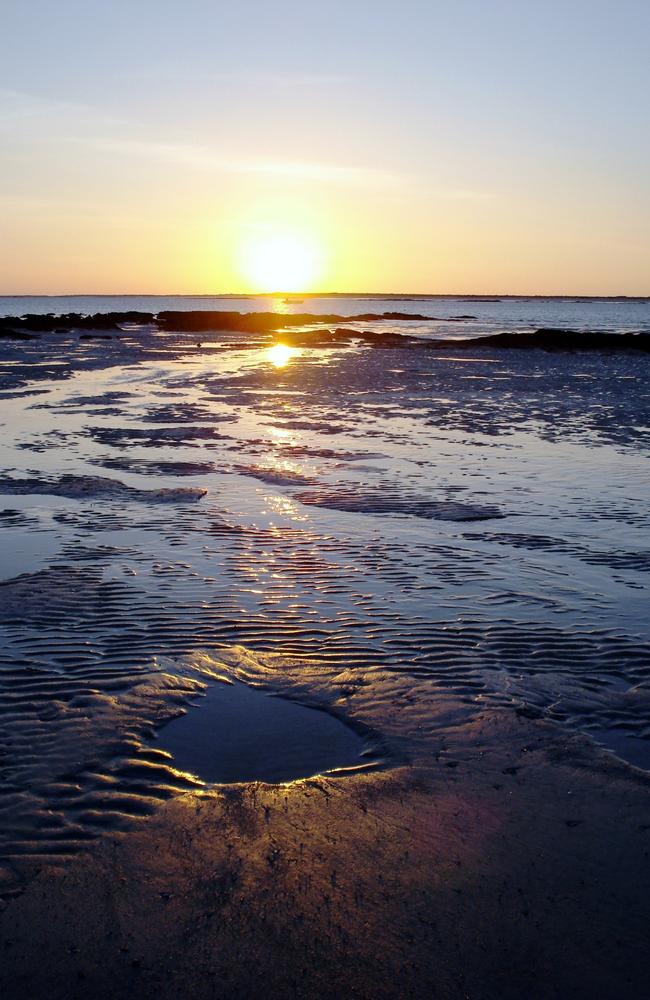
{"points": [[498, 878], [441, 555]]}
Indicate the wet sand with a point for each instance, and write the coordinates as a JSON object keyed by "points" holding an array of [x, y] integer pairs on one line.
{"points": [[505, 861], [446, 553]]}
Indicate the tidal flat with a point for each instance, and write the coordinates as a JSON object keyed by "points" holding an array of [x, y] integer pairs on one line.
{"points": [[402, 577]]}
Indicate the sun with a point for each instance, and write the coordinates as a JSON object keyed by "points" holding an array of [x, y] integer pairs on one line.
{"points": [[280, 261]]}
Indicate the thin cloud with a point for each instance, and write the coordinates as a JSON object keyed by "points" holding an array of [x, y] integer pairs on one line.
{"points": [[244, 78], [466, 194], [201, 158], [17, 104]]}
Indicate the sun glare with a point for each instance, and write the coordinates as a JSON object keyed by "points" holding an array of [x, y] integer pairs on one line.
{"points": [[280, 262], [280, 354]]}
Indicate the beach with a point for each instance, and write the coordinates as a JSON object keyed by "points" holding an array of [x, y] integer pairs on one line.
{"points": [[393, 552]]}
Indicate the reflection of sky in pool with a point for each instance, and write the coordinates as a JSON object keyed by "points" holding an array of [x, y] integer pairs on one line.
{"points": [[236, 733]]}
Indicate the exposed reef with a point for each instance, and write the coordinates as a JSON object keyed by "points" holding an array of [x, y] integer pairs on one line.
{"points": [[77, 321], [311, 330], [552, 339], [267, 322], [200, 320], [546, 339]]}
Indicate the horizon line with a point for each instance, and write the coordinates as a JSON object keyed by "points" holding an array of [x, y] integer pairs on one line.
{"points": [[488, 296]]}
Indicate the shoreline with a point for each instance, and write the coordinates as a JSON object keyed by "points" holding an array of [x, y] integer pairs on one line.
{"points": [[388, 296]]}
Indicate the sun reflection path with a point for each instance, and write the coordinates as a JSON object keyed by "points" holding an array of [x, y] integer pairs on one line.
{"points": [[283, 506], [280, 354]]}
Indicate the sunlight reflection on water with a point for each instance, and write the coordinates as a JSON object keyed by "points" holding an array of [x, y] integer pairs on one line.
{"points": [[280, 354]]}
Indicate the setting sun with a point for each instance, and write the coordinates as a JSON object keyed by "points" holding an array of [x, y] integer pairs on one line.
{"points": [[286, 261]]}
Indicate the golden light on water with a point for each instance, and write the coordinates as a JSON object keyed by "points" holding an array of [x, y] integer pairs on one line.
{"points": [[273, 260], [280, 354]]}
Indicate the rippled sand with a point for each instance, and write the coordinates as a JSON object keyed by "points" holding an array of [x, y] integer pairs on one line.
{"points": [[449, 553]]}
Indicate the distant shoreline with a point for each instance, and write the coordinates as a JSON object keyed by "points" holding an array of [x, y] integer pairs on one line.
{"points": [[396, 296]]}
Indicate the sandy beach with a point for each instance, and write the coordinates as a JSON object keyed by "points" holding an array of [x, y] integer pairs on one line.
{"points": [[324, 662]]}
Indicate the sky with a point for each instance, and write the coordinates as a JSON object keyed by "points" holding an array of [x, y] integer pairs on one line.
{"points": [[474, 146]]}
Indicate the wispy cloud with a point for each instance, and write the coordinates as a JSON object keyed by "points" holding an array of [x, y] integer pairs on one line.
{"points": [[465, 194], [38, 118], [320, 171], [203, 158], [246, 78], [49, 117], [16, 105]]}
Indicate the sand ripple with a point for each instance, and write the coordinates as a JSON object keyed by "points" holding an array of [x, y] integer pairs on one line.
{"points": [[332, 535]]}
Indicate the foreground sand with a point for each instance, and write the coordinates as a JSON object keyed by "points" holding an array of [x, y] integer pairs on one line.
{"points": [[507, 861]]}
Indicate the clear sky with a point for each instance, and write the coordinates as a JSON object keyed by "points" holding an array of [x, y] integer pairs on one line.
{"points": [[412, 145]]}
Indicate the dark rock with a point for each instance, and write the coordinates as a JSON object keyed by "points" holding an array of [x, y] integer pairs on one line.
{"points": [[264, 322], [552, 339], [64, 322]]}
